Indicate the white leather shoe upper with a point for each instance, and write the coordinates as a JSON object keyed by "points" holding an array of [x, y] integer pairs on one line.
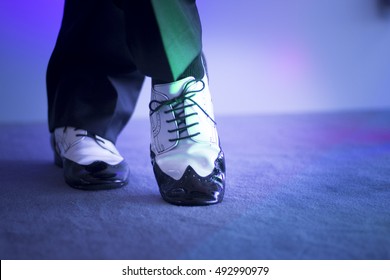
{"points": [[76, 145], [200, 146]]}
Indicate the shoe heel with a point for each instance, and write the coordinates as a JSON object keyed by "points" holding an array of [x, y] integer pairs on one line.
{"points": [[57, 159]]}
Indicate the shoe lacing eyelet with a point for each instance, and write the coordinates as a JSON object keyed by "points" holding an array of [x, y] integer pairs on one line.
{"points": [[177, 107]]}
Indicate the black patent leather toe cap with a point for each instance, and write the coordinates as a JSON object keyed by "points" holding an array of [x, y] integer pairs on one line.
{"points": [[192, 189], [98, 175]]}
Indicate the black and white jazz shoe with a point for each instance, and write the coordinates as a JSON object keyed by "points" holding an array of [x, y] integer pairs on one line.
{"points": [[90, 162], [187, 159]]}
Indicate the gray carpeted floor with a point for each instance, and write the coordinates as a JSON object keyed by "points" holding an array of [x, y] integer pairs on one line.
{"points": [[311, 186]]}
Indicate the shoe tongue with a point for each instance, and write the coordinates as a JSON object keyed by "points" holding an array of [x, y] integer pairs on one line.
{"points": [[174, 89]]}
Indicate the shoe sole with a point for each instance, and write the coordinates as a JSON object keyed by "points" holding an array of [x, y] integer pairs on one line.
{"points": [[96, 187]]}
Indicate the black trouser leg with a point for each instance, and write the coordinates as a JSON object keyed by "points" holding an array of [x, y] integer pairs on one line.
{"points": [[92, 82], [164, 36]]}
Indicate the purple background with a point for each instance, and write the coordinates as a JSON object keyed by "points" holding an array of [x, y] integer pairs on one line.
{"points": [[264, 56]]}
